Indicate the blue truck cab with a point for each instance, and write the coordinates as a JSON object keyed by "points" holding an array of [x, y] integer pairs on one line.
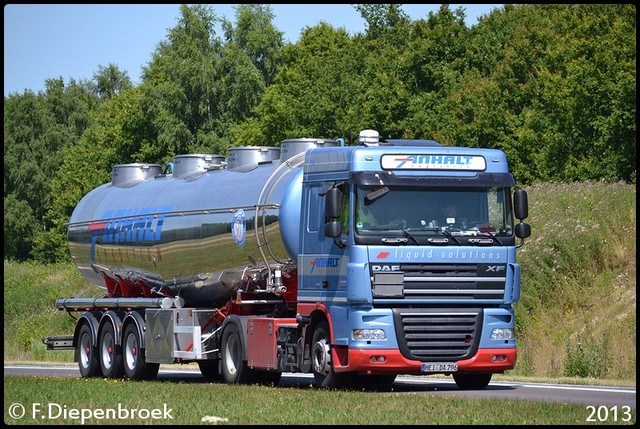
{"points": [[407, 258]]}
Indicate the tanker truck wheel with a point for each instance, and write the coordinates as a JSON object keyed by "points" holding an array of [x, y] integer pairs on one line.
{"points": [[321, 362], [110, 353], [372, 380], [87, 353], [472, 381], [135, 366], [234, 369], [209, 370]]}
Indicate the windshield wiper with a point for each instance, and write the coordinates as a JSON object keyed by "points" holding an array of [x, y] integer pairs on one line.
{"points": [[399, 240], [449, 235], [408, 235], [440, 240]]}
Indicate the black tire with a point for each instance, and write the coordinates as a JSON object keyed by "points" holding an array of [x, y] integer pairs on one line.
{"points": [[209, 370], [110, 353], [321, 363], [87, 353], [135, 365], [234, 369], [374, 380], [472, 381]]}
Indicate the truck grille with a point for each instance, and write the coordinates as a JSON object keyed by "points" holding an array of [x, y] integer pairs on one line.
{"points": [[439, 282], [438, 334]]}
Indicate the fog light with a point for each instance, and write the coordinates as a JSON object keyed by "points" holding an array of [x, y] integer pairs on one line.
{"points": [[378, 359], [503, 334], [369, 334]]}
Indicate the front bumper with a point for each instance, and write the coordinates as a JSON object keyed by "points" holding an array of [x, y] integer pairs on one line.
{"points": [[392, 362]]}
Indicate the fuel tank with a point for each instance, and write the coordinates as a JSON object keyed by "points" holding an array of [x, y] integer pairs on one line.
{"points": [[195, 229]]}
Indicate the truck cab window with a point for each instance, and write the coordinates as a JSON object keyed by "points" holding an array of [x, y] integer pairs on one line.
{"points": [[424, 211]]}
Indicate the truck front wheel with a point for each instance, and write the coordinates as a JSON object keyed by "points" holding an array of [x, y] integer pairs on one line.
{"points": [[135, 366], [234, 368], [472, 381], [110, 353], [87, 354], [321, 362], [372, 380]]}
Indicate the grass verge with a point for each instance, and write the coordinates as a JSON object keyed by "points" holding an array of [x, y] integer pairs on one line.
{"points": [[51, 400]]}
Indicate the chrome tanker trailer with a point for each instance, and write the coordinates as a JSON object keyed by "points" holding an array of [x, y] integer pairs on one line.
{"points": [[187, 231], [264, 262], [188, 235]]}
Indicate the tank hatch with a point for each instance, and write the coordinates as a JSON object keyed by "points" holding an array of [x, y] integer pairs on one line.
{"points": [[292, 147], [125, 175], [242, 156], [187, 165]]}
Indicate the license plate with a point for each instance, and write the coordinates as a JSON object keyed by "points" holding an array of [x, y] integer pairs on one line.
{"points": [[439, 367]]}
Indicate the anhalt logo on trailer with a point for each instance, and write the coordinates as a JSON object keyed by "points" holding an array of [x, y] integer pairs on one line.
{"points": [[142, 227], [433, 162]]}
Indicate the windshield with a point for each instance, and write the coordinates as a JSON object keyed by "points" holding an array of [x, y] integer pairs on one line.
{"points": [[427, 211]]}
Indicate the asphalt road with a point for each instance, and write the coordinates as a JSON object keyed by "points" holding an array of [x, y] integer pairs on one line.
{"points": [[589, 396]]}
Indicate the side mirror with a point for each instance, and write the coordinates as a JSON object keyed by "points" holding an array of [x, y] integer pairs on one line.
{"points": [[333, 229], [521, 204], [523, 230], [333, 203]]}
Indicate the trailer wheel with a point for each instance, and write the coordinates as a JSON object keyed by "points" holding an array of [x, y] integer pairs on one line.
{"points": [[322, 366], [209, 370], [234, 368], [472, 381], [87, 354], [110, 353], [135, 365]]}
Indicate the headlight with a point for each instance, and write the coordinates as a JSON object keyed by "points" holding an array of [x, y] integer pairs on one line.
{"points": [[369, 334], [503, 334]]}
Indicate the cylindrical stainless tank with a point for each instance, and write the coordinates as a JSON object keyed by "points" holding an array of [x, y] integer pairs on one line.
{"points": [[182, 236]]}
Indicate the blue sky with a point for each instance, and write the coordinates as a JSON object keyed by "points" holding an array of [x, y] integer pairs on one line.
{"points": [[45, 41]]}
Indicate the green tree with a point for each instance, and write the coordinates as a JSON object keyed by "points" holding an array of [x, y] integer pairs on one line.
{"points": [[110, 81], [564, 82], [255, 35], [311, 93], [119, 134], [181, 84], [588, 95], [193, 104], [382, 20], [36, 129], [20, 226], [250, 57]]}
